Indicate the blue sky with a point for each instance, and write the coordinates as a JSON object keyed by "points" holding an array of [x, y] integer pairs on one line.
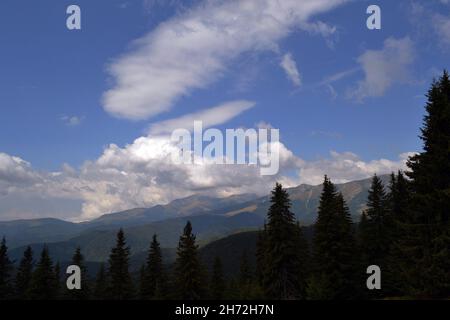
{"points": [[66, 96]]}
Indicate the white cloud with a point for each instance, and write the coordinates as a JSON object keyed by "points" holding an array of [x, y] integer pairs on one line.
{"points": [[290, 67], [141, 174], [72, 121], [193, 49], [210, 117], [14, 171], [441, 25], [347, 166], [384, 68]]}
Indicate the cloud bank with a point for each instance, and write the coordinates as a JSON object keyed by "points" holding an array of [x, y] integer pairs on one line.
{"points": [[141, 174]]}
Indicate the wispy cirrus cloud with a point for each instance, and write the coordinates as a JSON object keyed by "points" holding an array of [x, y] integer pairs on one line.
{"points": [[290, 68], [193, 49]]}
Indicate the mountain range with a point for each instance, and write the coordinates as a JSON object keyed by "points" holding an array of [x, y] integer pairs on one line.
{"points": [[212, 219]]}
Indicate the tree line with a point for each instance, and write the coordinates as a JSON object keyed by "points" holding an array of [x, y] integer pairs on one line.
{"points": [[404, 230]]}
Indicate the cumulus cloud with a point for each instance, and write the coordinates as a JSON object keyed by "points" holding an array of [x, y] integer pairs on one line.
{"points": [[193, 49], [384, 68], [142, 174], [210, 117], [347, 166], [14, 171], [290, 68]]}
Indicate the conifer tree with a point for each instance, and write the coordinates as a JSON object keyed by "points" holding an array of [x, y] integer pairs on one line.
{"points": [[376, 231], [58, 285], [281, 256], [189, 273], [101, 284], [120, 285], [43, 285], [334, 273], [399, 198], [6, 268], [83, 293], [376, 234], [426, 253], [304, 261], [217, 286], [24, 273], [154, 282]]}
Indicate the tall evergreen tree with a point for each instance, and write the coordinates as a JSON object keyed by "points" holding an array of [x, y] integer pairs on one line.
{"points": [[24, 273], [217, 286], [304, 261], [101, 284], [120, 285], [282, 259], [334, 273], [6, 268], [83, 293], [376, 229], [58, 284], [426, 252], [43, 285], [189, 273], [399, 198], [154, 282]]}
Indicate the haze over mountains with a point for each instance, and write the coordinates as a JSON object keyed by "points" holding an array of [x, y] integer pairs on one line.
{"points": [[212, 219]]}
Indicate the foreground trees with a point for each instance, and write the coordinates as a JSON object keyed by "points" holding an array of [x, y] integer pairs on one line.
{"points": [[426, 246], [43, 284], [154, 281], [280, 259], [334, 250], [120, 283], [6, 289], [24, 273], [188, 273]]}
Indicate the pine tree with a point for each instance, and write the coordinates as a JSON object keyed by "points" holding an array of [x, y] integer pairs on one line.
{"points": [[376, 231], [101, 284], [120, 286], [426, 251], [24, 273], [83, 293], [282, 258], [189, 273], [304, 261], [334, 249], [58, 285], [217, 286], [6, 268], [154, 282], [43, 285], [399, 198]]}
